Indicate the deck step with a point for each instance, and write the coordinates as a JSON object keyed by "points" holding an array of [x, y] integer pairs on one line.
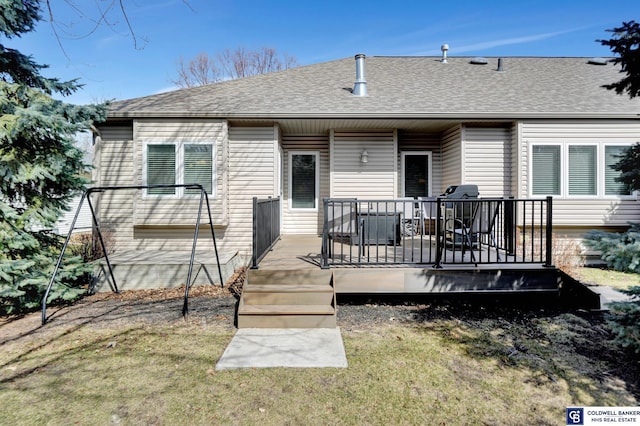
{"points": [[287, 309], [287, 299]]}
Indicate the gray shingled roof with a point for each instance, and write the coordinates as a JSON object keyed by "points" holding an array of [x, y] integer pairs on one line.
{"points": [[404, 87]]}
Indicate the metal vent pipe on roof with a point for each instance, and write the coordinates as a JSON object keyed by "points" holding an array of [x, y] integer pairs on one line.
{"points": [[444, 48], [360, 86], [500, 69]]}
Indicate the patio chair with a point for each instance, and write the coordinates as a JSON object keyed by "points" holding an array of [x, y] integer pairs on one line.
{"points": [[481, 226]]}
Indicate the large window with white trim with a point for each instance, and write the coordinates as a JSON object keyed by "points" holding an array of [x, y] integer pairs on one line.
{"points": [[545, 165], [582, 165], [303, 179], [612, 155], [575, 170], [175, 163]]}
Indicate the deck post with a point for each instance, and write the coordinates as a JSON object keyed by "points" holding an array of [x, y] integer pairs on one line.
{"points": [[510, 225], [439, 234], [324, 251], [549, 233], [254, 257]]}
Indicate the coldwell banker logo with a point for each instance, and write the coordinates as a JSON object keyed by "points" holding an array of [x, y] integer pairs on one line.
{"points": [[575, 416]]}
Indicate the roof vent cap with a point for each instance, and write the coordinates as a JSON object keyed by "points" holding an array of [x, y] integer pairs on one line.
{"points": [[479, 60], [360, 85], [444, 48], [597, 61]]}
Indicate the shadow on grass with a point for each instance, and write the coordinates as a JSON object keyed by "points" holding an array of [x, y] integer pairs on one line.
{"points": [[554, 343]]}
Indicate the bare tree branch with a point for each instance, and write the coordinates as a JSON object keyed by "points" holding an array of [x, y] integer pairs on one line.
{"points": [[103, 12], [230, 64]]}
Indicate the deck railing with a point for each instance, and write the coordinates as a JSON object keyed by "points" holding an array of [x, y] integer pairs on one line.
{"points": [[437, 231], [266, 227]]}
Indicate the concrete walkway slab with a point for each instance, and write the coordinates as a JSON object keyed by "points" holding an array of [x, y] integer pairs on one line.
{"points": [[280, 347], [609, 295]]}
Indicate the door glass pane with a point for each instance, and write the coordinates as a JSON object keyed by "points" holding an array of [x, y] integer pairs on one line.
{"points": [[416, 175], [303, 181], [582, 170], [612, 156], [161, 168], [198, 167], [546, 170]]}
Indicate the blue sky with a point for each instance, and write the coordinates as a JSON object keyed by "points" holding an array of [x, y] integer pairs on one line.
{"points": [[111, 67]]}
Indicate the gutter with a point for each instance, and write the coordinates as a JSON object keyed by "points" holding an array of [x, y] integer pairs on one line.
{"points": [[379, 116]]}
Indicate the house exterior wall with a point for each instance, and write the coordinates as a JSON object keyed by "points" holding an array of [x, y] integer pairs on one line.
{"points": [[253, 172], [349, 177], [163, 210], [583, 211], [487, 159], [307, 221], [452, 173], [114, 161], [140, 222]]}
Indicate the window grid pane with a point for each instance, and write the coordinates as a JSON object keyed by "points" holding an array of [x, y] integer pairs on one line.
{"points": [[611, 157], [198, 167], [582, 170], [161, 168], [546, 170], [303, 181]]}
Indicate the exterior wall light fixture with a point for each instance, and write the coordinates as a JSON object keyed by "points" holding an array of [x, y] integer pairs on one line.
{"points": [[364, 156]]}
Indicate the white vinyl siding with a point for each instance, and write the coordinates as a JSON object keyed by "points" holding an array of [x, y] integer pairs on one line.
{"points": [[253, 172], [376, 179], [487, 160], [452, 171], [115, 167], [603, 209]]}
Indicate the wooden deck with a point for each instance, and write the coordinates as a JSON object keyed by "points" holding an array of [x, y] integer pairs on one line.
{"points": [[303, 252]]}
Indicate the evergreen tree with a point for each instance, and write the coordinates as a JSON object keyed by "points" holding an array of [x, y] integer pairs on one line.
{"points": [[40, 168], [625, 44]]}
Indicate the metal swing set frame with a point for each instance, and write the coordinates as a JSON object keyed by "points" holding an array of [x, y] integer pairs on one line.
{"points": [[96, 225]]}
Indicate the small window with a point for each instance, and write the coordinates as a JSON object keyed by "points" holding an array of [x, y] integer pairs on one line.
{"points": [[546, 170], [583, 170], [612, 156], [303, 188], [177, 164]]}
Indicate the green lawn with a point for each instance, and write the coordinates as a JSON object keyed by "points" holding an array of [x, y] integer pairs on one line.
{"points": [[601, 276], [516, 368]]}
